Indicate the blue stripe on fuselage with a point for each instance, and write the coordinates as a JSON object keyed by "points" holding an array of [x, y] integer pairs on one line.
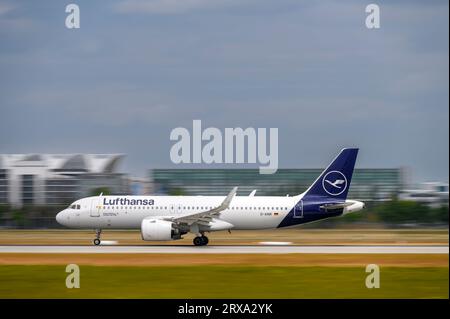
{"points": [[311, 212]]}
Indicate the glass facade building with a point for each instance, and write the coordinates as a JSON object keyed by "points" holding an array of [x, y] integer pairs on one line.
{"points": [[27, 189], [4, 186], [366, 185]]}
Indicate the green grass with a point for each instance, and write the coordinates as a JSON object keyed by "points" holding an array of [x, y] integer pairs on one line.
{"points": [[222, 282]]}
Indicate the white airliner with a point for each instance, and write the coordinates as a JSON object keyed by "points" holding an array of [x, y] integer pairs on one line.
{"points": [[170, 217]]}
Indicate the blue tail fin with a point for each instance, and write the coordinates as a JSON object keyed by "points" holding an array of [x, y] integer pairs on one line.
{"points": [[334, 181]]}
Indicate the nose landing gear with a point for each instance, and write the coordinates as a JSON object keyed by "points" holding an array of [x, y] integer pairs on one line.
{"points": [[201, 240], [97, 240]]}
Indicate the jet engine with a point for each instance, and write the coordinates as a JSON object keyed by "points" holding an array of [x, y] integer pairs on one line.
{"points": [[157, 229]]}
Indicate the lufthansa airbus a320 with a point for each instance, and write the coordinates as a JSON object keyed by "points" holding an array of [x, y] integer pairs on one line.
{"points": [[163, 218]]}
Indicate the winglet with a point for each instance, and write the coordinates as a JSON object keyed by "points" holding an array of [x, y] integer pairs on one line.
{"points": [[228, 199], [252, 193]]}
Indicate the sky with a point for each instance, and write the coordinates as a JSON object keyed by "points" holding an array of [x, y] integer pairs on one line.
{"points": [[135, 70]]}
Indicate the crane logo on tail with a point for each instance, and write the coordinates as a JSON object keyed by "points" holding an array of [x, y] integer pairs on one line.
{"points": [[334, 183]]}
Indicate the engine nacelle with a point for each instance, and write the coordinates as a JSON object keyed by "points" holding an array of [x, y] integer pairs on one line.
{"points": [[157, 229]]}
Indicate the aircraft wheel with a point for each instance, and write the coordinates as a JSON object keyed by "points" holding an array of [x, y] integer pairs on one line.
{"points": [[205, 240], [96, 241], [198, 241]]}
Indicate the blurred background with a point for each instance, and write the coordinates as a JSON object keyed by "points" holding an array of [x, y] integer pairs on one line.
{"points": [[90, 110], [34, 187]]}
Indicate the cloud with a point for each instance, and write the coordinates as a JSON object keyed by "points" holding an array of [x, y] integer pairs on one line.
{"points": [[12, 23], [108, 106], [123, 81], [169, 6], [5, 8]]}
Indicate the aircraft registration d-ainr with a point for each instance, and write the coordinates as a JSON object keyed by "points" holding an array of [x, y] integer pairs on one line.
{"points": [[163, 218]]}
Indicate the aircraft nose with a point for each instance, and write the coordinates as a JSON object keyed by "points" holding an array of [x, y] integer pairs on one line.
{"points": [[60, 217]]}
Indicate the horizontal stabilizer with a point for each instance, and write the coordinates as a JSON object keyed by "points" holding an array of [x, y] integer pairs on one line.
{"points": [[335, 206]]}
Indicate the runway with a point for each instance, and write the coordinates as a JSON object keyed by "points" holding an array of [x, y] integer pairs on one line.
{"points": [[225, 249]]}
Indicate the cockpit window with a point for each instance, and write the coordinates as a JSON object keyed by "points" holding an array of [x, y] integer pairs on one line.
{"points": [[78, 206], [72, 206]]}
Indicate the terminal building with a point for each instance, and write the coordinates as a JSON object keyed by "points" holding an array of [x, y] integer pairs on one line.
{"points": [[367, 184], [57, 179], [433, 194]]}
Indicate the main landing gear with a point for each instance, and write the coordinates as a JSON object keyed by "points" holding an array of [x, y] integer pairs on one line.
{"points": [[97, 241], [201, 240]]}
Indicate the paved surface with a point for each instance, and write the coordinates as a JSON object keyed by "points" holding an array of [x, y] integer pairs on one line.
{"points": [[227, 249]]}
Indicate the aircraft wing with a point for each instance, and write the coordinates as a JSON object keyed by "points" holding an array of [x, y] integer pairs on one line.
{"points": [[206, 216]]}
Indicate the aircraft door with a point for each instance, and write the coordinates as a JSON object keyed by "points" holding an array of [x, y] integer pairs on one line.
{"points": [[95, 207], [298, 210]]}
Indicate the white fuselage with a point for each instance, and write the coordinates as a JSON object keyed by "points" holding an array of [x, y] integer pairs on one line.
{"points": [[127, 212]]}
